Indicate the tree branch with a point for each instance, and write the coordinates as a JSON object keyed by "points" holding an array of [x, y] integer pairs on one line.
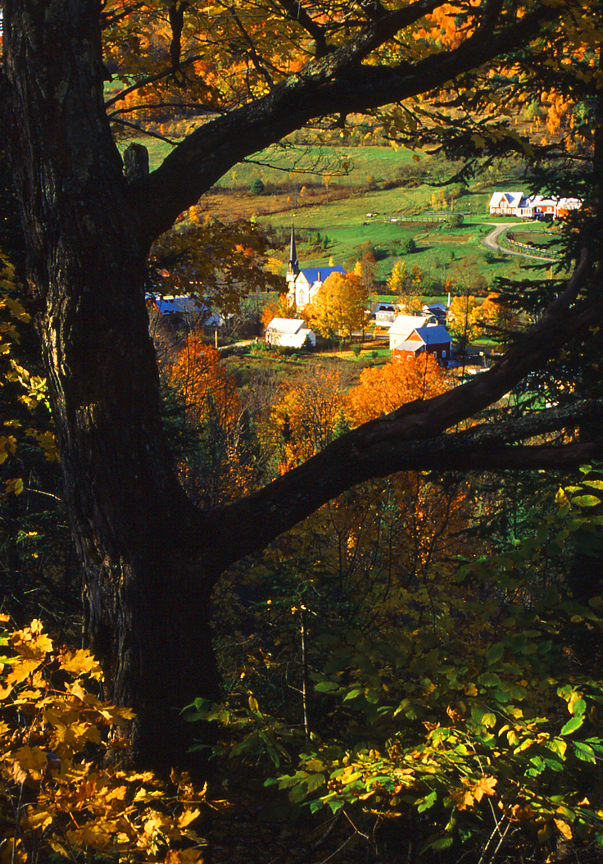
{"points": [[336, 83], [259, 519], [412, 438]]}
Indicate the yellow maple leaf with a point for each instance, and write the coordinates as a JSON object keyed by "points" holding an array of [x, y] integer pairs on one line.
{"points": [[187, 817], [484, 786], [462, 798], [564, 829], [80, 662], [36, 819]]}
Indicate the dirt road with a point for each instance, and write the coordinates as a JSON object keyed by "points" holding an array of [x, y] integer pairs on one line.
{"points": [[491, 242]]}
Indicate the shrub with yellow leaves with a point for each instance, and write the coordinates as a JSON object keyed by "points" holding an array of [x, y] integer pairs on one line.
{"points": [[55, 794]]}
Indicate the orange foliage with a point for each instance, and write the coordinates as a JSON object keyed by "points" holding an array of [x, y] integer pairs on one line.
{"points": [[308, 413], [202, 381], [381, 391], [282, 308], [222, 469], [445, 29]]}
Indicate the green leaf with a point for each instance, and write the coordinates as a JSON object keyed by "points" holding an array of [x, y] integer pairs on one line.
{"points": [[353, 693], [584, 752], [326, 686], [427, 802], [495, 653], [489, 679], [586, 501], [442, 843], [572, 725]]}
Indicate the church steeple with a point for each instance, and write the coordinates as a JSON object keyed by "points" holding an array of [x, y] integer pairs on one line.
{"points": [[293, 269]]}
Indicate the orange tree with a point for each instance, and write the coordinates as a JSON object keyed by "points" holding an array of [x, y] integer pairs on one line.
{"points": [[382, 390], [253, 74], [219, 465]]}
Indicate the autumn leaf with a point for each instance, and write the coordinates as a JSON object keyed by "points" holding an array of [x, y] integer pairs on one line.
{"points": [[80, 662]]}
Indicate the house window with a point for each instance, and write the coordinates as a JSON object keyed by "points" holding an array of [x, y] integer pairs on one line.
{"points": [[302, 298], [444, 354]]}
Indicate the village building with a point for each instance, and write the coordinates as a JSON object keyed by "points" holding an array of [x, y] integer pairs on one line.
{"points": [[186, 308], [432, 339], [531, 206], [385, 314], [404, 325], [303, 285], [439, 310], [505, 203], [289, 333]]}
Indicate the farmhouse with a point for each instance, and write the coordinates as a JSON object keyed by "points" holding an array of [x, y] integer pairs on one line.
{"points": [[289, 333], [404, 325], [531, 206], [505, 203], [433, 339], [303, 285]]}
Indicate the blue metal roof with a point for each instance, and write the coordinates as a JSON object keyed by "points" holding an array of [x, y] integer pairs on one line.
{"points": [[181, 305], [315, 274], [433, 335]]}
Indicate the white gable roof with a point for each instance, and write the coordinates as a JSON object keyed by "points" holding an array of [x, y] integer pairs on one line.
{"points": [[508, 199], [287, 325], [405, 324]]}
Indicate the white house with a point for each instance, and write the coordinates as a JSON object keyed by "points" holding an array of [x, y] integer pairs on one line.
{"points": [[289, 333], [404, 325], [505, 203], [303, 285]]}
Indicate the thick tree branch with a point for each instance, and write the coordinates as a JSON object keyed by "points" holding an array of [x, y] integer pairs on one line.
{"points": [[336, 83], [259, 519], [412, 438]]}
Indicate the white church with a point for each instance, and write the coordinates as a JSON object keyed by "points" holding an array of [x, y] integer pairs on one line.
{"points": [[303, 285]]}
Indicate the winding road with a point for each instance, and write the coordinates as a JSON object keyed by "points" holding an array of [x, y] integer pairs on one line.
{"points": [[491, 242]]}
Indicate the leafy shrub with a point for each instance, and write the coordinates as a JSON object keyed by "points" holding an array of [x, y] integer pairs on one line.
{"points": [[466, 728], [409, 246], [55, 796], [455, 220], [257, 187]]}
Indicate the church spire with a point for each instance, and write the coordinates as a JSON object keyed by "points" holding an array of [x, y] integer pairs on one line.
{"points": [[293, 263]]}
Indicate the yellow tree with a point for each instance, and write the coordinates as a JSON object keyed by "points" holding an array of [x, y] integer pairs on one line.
{"points": [[496, 318], [405, 285], [308, 412], [464, 322], [340, 306]]}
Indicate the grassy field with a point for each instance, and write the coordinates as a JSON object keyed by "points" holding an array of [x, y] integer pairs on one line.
{"points": [[331, 191]]}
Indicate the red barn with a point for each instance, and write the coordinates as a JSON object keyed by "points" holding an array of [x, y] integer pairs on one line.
{"points": [[434, 340]]}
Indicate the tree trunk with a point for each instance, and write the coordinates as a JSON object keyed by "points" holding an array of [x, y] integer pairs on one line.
{"points": [[86, 260]]}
